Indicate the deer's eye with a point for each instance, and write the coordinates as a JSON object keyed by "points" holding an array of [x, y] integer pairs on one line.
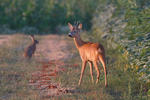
{"points": [[75, 31]]}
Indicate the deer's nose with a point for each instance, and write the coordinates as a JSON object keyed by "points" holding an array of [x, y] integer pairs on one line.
{"points": [[70, 35]]}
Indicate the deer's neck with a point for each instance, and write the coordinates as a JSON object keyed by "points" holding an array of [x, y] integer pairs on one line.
{"points": [[78, 42]]}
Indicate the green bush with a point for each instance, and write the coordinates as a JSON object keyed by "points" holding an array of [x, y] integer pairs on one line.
{"points": [[45, 15], [126, 24]]}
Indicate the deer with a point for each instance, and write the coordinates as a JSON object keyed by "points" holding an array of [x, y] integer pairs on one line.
{"points": [[30, 50], [90, 53]]}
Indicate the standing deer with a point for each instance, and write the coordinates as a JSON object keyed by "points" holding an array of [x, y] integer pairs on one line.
{"points": [[89, 52], [30, 50]]}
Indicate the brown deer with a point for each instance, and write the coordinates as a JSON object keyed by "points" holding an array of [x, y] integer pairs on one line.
{"points": [[30, 50], [89, 52]]}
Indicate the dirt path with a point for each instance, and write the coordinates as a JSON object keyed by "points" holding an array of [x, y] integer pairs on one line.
{"points": [[50, 47], [4, 39], [51, 51], [53, 47]]}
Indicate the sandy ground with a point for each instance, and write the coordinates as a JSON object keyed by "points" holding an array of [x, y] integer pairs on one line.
{"points": [[54, 50], [4, 39], [50, 47], [53, 47]]}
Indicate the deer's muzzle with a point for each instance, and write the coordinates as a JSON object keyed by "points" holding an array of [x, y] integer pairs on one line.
{"points": [[70, 35]]}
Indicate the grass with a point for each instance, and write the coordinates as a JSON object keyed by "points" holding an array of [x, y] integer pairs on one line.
{"points": [[15, 73], [123, 83]]}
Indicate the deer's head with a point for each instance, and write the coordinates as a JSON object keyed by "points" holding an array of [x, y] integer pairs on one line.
{"points": [[74, 30]]}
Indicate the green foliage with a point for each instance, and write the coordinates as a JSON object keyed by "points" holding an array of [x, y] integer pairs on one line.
{"points": [[45, 15], [137, 37], [126, 23]]}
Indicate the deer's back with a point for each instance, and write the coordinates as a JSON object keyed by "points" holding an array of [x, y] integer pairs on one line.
{"points": [[90, 51]]}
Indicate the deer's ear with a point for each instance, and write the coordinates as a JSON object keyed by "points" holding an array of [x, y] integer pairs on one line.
{"points": [[70, 26], [80, 26]]}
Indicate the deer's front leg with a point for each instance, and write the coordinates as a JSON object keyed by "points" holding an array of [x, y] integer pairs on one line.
{"points": [[82, 71], [91, 71]]}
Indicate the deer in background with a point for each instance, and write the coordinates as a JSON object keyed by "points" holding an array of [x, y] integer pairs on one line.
{"points": [[89, 52]]}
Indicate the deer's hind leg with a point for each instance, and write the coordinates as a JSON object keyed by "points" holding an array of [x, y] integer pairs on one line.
{"points": [[91, 71], [102, 60], [98, 73]]}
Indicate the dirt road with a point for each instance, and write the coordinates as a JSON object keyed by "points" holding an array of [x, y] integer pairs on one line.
{"points": [[53, 47], [4, 39], [50, 47], [51, 51]]}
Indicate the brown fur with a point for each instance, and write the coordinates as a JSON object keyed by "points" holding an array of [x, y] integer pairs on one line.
{"points": [[30, 50]]}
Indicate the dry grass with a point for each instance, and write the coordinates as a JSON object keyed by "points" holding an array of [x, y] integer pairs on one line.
{"points": [[15, 70], [16, 74]]}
